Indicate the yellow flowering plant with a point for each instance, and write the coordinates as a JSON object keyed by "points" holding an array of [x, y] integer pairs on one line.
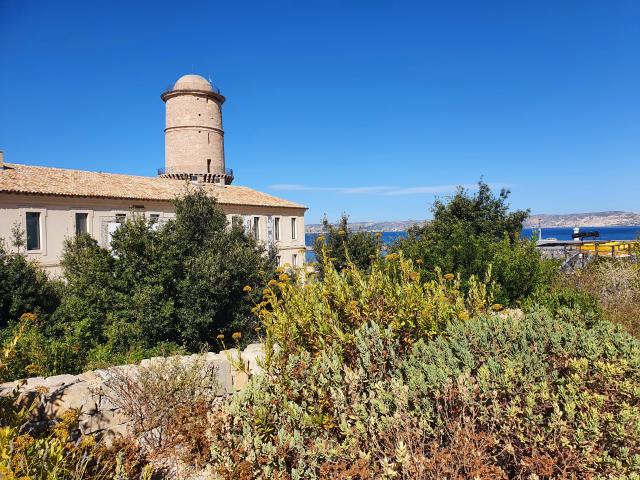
{"points": [[327, 311]]}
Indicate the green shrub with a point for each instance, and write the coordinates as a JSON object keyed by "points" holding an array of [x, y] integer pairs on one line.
{"points": [[470, 232], [340, 245], [519, 269], [317, 314], [24, 288], [535, 397], [561, 300]]}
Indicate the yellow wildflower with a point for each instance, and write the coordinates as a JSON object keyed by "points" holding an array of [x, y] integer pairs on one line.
{"points": [[496, 307], [33, 369], [247, 288], [449, 276], [29, 317], [236, 336]]}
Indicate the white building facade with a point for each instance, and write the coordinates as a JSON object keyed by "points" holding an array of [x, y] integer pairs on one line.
{"points": [[49, 204]]}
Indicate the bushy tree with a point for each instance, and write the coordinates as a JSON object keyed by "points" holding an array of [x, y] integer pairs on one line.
{"points": [[343, 246], [161, 287], [471, 231], [24, 287]]}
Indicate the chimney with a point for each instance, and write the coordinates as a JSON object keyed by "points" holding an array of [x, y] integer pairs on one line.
{"points": [[1, 160]]}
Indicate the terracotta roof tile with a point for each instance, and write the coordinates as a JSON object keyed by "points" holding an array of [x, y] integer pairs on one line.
{"points": [[80, 183]]}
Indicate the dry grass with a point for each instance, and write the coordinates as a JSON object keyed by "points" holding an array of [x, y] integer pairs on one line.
{"points": [[616, 285]]}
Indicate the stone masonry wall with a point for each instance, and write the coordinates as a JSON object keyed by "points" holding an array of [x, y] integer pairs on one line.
{"points": [[98, 415]]}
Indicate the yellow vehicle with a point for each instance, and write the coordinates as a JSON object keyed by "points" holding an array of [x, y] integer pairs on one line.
{"points": [[610, 249]]}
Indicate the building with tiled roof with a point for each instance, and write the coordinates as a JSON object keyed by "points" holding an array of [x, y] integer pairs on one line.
{"points": [[51, 204]]}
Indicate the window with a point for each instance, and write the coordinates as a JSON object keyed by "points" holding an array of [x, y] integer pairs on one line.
{"points": [[294, 259], [208, 165], [276, 228], [278, 260], [294, 228], [236, 221], [256, 228], [121, 217], [154, 217], [81, 223], [33, 230]]}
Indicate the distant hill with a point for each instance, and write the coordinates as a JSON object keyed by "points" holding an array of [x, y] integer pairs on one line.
{"points": [[589, 219]]}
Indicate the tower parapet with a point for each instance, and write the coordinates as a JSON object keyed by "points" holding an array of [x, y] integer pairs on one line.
{"points": [[194, 138]]}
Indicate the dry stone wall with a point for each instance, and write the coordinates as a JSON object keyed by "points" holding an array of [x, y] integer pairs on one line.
{"points": [[97, 413]]}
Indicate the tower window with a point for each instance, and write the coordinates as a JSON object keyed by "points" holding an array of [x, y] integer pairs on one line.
{"points": [[81, 223], [33, 230], [208, 165], [276, 228], [294, 228]]}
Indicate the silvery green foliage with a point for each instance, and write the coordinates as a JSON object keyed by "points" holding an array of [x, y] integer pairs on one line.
{"points": [[551, 398]]}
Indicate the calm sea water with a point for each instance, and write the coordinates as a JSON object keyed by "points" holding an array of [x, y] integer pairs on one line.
{"points": [[606, 233]]}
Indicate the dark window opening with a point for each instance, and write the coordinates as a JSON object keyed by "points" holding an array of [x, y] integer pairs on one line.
{"points": [[121, 217], [208, 165], [256, 227], [33, 231], [81, 223]]}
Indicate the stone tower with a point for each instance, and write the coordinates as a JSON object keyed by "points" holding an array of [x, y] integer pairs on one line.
{"points": [[194, 139]]}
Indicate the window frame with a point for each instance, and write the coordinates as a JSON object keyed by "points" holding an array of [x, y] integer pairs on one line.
{"points": [[89, 214], [38, 233], [294, 228], [255, 227], [276, 229], [42, 225]]}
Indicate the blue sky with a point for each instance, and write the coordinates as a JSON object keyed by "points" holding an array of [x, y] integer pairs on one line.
{"points": [[368, 107]]}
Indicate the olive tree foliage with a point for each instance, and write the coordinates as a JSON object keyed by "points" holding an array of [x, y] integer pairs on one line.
{"points": [[472, 231], [342, 245], [179, 284]]}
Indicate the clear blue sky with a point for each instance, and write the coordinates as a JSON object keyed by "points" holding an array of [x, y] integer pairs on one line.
{"points": [[369, 107]]}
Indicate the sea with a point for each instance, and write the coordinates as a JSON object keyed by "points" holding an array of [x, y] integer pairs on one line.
{"points": [[559, 233]]}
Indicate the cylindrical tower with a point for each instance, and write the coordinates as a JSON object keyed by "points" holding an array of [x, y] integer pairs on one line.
{"points": [[194, 139]]}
